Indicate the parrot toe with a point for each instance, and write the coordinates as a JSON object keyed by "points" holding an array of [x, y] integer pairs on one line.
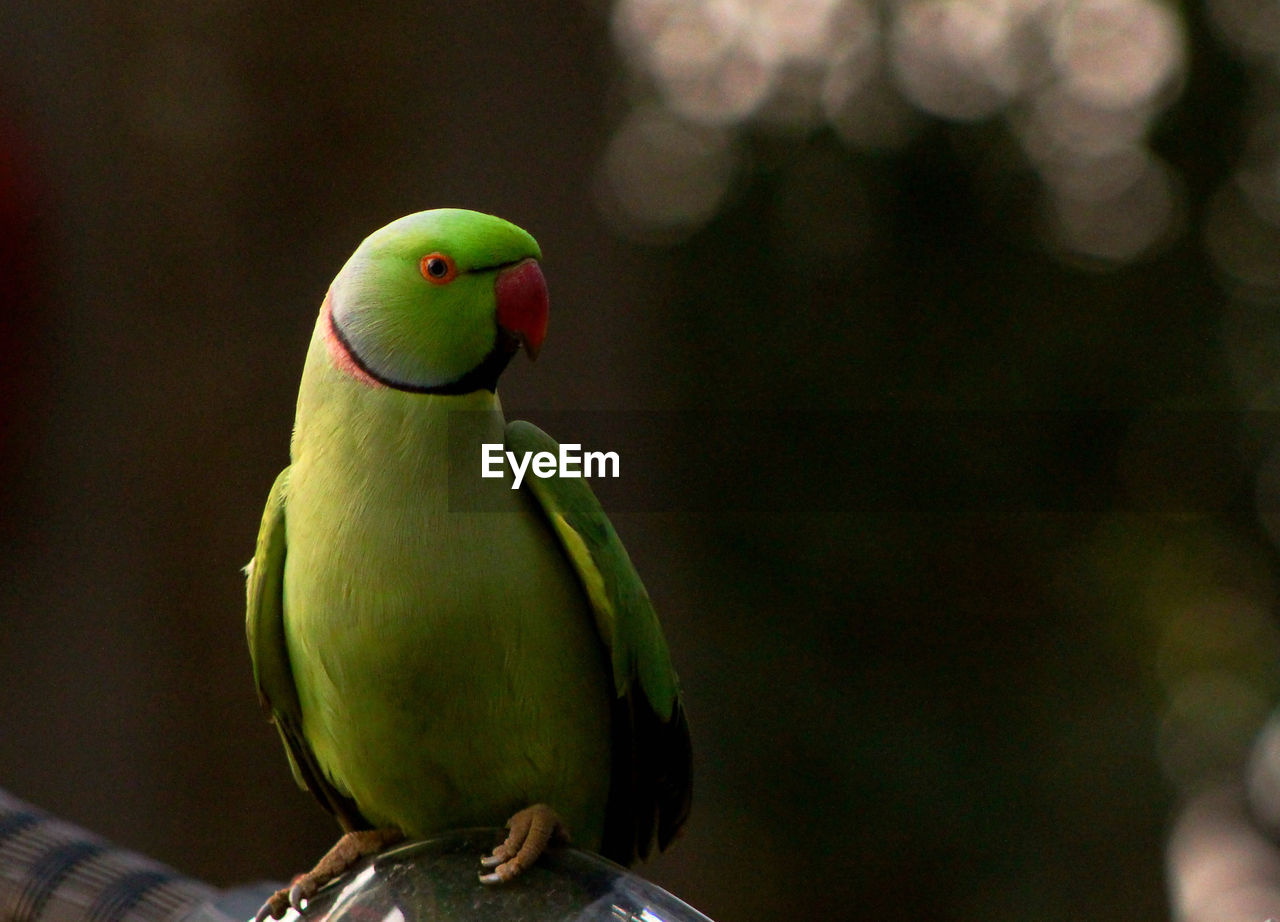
{"points": [[531, 830], [349, 849]]}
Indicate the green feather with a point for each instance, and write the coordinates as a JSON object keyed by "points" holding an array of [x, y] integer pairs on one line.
{"points": [[651, 795], [625, 618]]}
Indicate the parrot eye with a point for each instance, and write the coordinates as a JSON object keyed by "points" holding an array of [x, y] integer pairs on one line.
{"points": [[437, 268]]}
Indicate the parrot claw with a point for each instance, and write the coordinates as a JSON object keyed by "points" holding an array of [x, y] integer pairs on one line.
{"points": [[532, 829], [300, 892], [274, 907]]}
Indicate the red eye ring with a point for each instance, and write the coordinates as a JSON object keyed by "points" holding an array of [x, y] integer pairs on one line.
{"points": [[437, 268]]}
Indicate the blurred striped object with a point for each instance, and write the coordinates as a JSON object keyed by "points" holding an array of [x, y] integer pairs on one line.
{"points": [[52, 871]]}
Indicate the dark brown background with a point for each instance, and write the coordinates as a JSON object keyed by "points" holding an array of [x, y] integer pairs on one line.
{"points": [[948, 597]]}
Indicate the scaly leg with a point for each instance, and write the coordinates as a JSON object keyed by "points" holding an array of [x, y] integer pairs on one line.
{"points": [[349, 849]]}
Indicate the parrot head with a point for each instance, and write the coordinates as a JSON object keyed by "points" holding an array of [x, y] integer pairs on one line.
{"points": [[438, 302]]}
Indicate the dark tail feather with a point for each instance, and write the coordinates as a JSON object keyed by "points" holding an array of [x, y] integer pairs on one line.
{"points": [[674, 782], [651, 787]]}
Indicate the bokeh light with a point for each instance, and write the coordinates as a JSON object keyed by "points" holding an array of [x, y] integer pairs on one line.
{"points": [[1117, 54], [664, 173], [1114, 207], [1243, 227], [1263, 777], [1077, 84], [954, 59], [1222, 869]]}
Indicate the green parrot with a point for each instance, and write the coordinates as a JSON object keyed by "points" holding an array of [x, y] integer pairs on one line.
{"points": [[436, 649]]}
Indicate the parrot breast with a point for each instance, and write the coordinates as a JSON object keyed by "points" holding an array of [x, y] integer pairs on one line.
{"points": [[445, 656]]}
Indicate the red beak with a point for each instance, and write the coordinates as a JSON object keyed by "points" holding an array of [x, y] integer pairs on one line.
{"points": [[521, 293]]}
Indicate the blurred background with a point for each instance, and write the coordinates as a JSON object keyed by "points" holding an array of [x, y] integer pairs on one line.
{"points": [[940, 340]]}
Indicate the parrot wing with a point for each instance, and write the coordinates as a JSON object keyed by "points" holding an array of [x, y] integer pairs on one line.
{"points": [[652, 761], [272, 673]]}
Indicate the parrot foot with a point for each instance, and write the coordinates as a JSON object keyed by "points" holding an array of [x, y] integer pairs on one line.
{"points": [[531, 831], [349, 849]]}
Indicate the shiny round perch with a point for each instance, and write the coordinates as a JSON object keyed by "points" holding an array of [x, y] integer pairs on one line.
{"points": [[434, 880]]}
